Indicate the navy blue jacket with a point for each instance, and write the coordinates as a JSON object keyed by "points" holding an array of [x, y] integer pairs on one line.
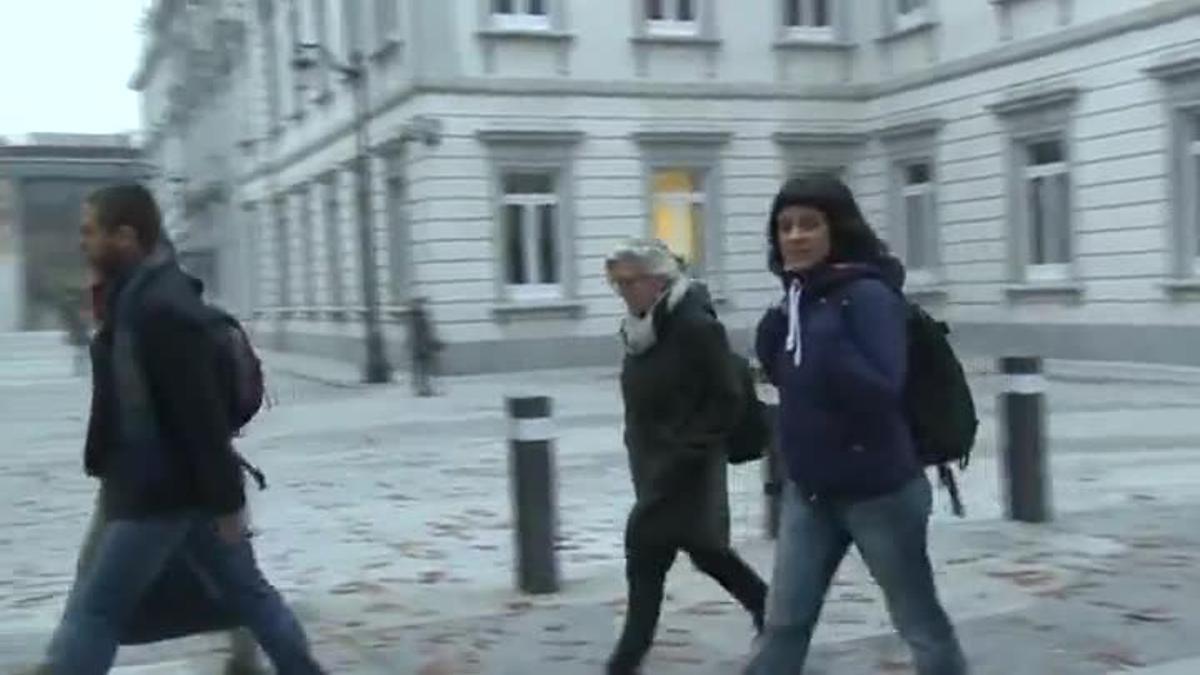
{"points": [[843, 431]]}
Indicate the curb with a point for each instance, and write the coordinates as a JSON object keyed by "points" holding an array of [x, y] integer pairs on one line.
{"points": [[1065, 370]]}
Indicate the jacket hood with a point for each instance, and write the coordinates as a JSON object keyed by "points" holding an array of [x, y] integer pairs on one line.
{"points": [[695, 298], [887, 269]]}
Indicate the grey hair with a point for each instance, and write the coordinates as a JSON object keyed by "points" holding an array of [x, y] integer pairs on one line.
{"points": [[650, 254]]}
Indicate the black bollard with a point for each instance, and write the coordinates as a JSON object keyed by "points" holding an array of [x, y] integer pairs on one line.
{"points": [[531, 474], [772, 476], [1022, 431]]}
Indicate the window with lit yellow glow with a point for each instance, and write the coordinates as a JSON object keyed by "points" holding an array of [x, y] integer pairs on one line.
{"points": [[677, 213]]}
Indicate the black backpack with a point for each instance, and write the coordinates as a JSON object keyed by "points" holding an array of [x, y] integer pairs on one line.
{"points": [[241, 376], [750, 437], [938, 402]]}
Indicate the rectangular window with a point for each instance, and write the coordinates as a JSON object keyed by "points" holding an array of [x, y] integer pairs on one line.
{"points": [[919, 221], [318, 32], [806, 16], [909, 13], [292, 32], [1194, 164], [520, 15], [271, 68], [1047, 197], [677, 210], [533, 267], [352, 26], [671, 17], [387, 23]]}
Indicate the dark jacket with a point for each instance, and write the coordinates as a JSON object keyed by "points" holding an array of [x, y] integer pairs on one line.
{"points": [[843, 429], [190, 464], [682, 397]]}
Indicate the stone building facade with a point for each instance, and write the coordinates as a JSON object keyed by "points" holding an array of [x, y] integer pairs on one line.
{"points": [[1035, 162]]}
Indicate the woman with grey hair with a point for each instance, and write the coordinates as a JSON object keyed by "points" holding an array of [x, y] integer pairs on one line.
{"points": [[682, 398]]}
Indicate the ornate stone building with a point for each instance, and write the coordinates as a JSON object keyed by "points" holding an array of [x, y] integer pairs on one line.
{"points": [[1033, 161]]}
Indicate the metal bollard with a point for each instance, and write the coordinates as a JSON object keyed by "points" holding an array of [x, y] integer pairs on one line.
{"points": [[1022, 432], [772, 477], [531, 474]]}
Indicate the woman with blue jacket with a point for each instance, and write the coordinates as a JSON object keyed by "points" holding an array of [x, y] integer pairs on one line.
{"points": [[835, 347]]}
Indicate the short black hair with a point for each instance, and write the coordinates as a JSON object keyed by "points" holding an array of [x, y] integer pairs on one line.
{"points": [[128, 204], [852, 238]]}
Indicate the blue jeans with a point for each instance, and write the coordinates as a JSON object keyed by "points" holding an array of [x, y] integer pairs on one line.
{"points": [[130, 555], [890, 533]]}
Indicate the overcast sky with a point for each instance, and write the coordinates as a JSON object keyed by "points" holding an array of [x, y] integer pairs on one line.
{"points": [[65, 65]]}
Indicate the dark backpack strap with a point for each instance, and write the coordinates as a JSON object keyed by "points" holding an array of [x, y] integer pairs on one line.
{"points": [[259, 477], [946, 477]]}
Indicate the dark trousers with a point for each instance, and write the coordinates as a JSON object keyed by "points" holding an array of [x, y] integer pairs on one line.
{"points": [[130, 554], [423, 371], [646, 570], [243, 649]]}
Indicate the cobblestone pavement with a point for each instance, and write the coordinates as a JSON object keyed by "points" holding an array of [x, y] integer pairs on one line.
{"points": [[388, 524]]}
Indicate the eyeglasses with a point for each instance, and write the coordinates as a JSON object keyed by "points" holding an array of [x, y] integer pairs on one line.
{"points": [[623, 283]]}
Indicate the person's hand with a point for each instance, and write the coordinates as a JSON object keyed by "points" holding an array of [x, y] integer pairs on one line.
{"points": [[232, 528]]}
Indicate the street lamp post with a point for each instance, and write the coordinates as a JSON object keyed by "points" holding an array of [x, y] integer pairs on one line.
{"points": [[377, 368]]}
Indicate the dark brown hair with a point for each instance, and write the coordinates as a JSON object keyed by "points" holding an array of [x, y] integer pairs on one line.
{"points": [[130, 204], [851, 238]]}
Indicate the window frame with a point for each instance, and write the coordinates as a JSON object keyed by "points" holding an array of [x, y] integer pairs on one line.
{"points": [[522, 18], [908, 144], [1178, 74], [802, 152], [698, 197], [1030, 115], [671, 25], [530, 205], [516, 151], [903, 20], [386, 31], [291, 27], [700, 153], [928, 226], [1046, 271], [808, 32], [1192, 179]]}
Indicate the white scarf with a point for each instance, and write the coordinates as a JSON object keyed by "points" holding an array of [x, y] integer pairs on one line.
{"points": [[638, 331]]}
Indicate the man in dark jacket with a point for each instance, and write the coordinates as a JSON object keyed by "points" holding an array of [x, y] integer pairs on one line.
{"points": [[682, 397], [160, 442], [243, 657]]}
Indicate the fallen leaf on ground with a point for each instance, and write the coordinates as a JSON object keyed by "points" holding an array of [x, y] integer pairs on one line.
{"points": [[1153, 615], [1116, 656]]}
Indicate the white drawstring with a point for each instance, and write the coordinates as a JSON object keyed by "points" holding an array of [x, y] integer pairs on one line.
{"points": [[794, 342]]}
